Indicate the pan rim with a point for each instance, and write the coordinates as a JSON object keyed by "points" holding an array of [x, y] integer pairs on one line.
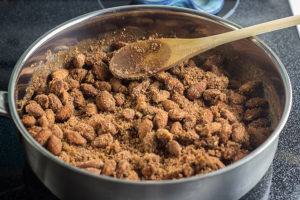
{"points": [[39, 42]]}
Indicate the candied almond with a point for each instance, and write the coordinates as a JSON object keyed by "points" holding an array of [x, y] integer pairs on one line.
{"points": [[236, 98], [91, 109], [103, 85], [54, 145], [56, 130], [254, 113], [50, 116], [210, 128], [159, 96], [186, 137], [43, 121], [173, 84], [161, 119], [123, 168], [164, 135], [34, 130], [212, 142], [43, 136], [169, 105], [140, 88], [34, 109], [189, 122], [95, 163], [86, 131], [177, 70], [78, 60], [249, 88], [195, 91], [149, 142], [95, 121], [74, 137], [239, 133], [212, 96], [88, 89], [64, 113], [215, 111], [128, 113], [66, 98], [176, 114], [117, 86], [154, 86], [105, 101], [124, 155], [181, 100], [174, 148], [228, 115], [60, 74], [215, 163], [28, 120], [90, 77], [206, 116], [144, 128], [132, 85], [72, 122], [240, 155], [256, 102], [176, 128], [43, 100], [141, 103], [54, 102], [92, 58], [101, 71], [58, 86], [132, 175], [39, 83], [120, 99], [150, 110], [109, 167], [225, 132], [161, 76], [102, 141], [72, 83], [78, 97], [149, 164], [64, 156], [78, 74], [215, 81], [107, 126]]}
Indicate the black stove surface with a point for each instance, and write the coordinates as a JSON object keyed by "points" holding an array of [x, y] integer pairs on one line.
{"points": [[23, 21]]}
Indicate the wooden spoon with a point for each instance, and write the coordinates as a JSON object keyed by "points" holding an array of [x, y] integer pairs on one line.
{"points": [[145, 58]]}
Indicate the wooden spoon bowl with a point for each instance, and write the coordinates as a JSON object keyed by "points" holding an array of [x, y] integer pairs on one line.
{"points": [[145, 58]]}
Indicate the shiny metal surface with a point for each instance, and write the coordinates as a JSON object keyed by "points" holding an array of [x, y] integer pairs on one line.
{"points": [[4, 110], [246, 58]]}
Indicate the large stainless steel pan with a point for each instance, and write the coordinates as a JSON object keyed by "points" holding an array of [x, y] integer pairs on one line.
{"points": [[246, 58]]}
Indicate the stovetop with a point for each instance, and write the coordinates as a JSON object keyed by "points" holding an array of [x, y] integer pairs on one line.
{"points": [[23, 21]]}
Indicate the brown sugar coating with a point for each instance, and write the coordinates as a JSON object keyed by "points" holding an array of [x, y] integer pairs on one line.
{"points": [[187, 121]]}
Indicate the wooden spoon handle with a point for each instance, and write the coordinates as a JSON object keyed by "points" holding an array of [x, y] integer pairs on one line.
{"points": [[255, 30]]}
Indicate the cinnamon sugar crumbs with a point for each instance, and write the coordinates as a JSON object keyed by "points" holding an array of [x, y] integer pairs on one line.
{"points": [[187, 121]]}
